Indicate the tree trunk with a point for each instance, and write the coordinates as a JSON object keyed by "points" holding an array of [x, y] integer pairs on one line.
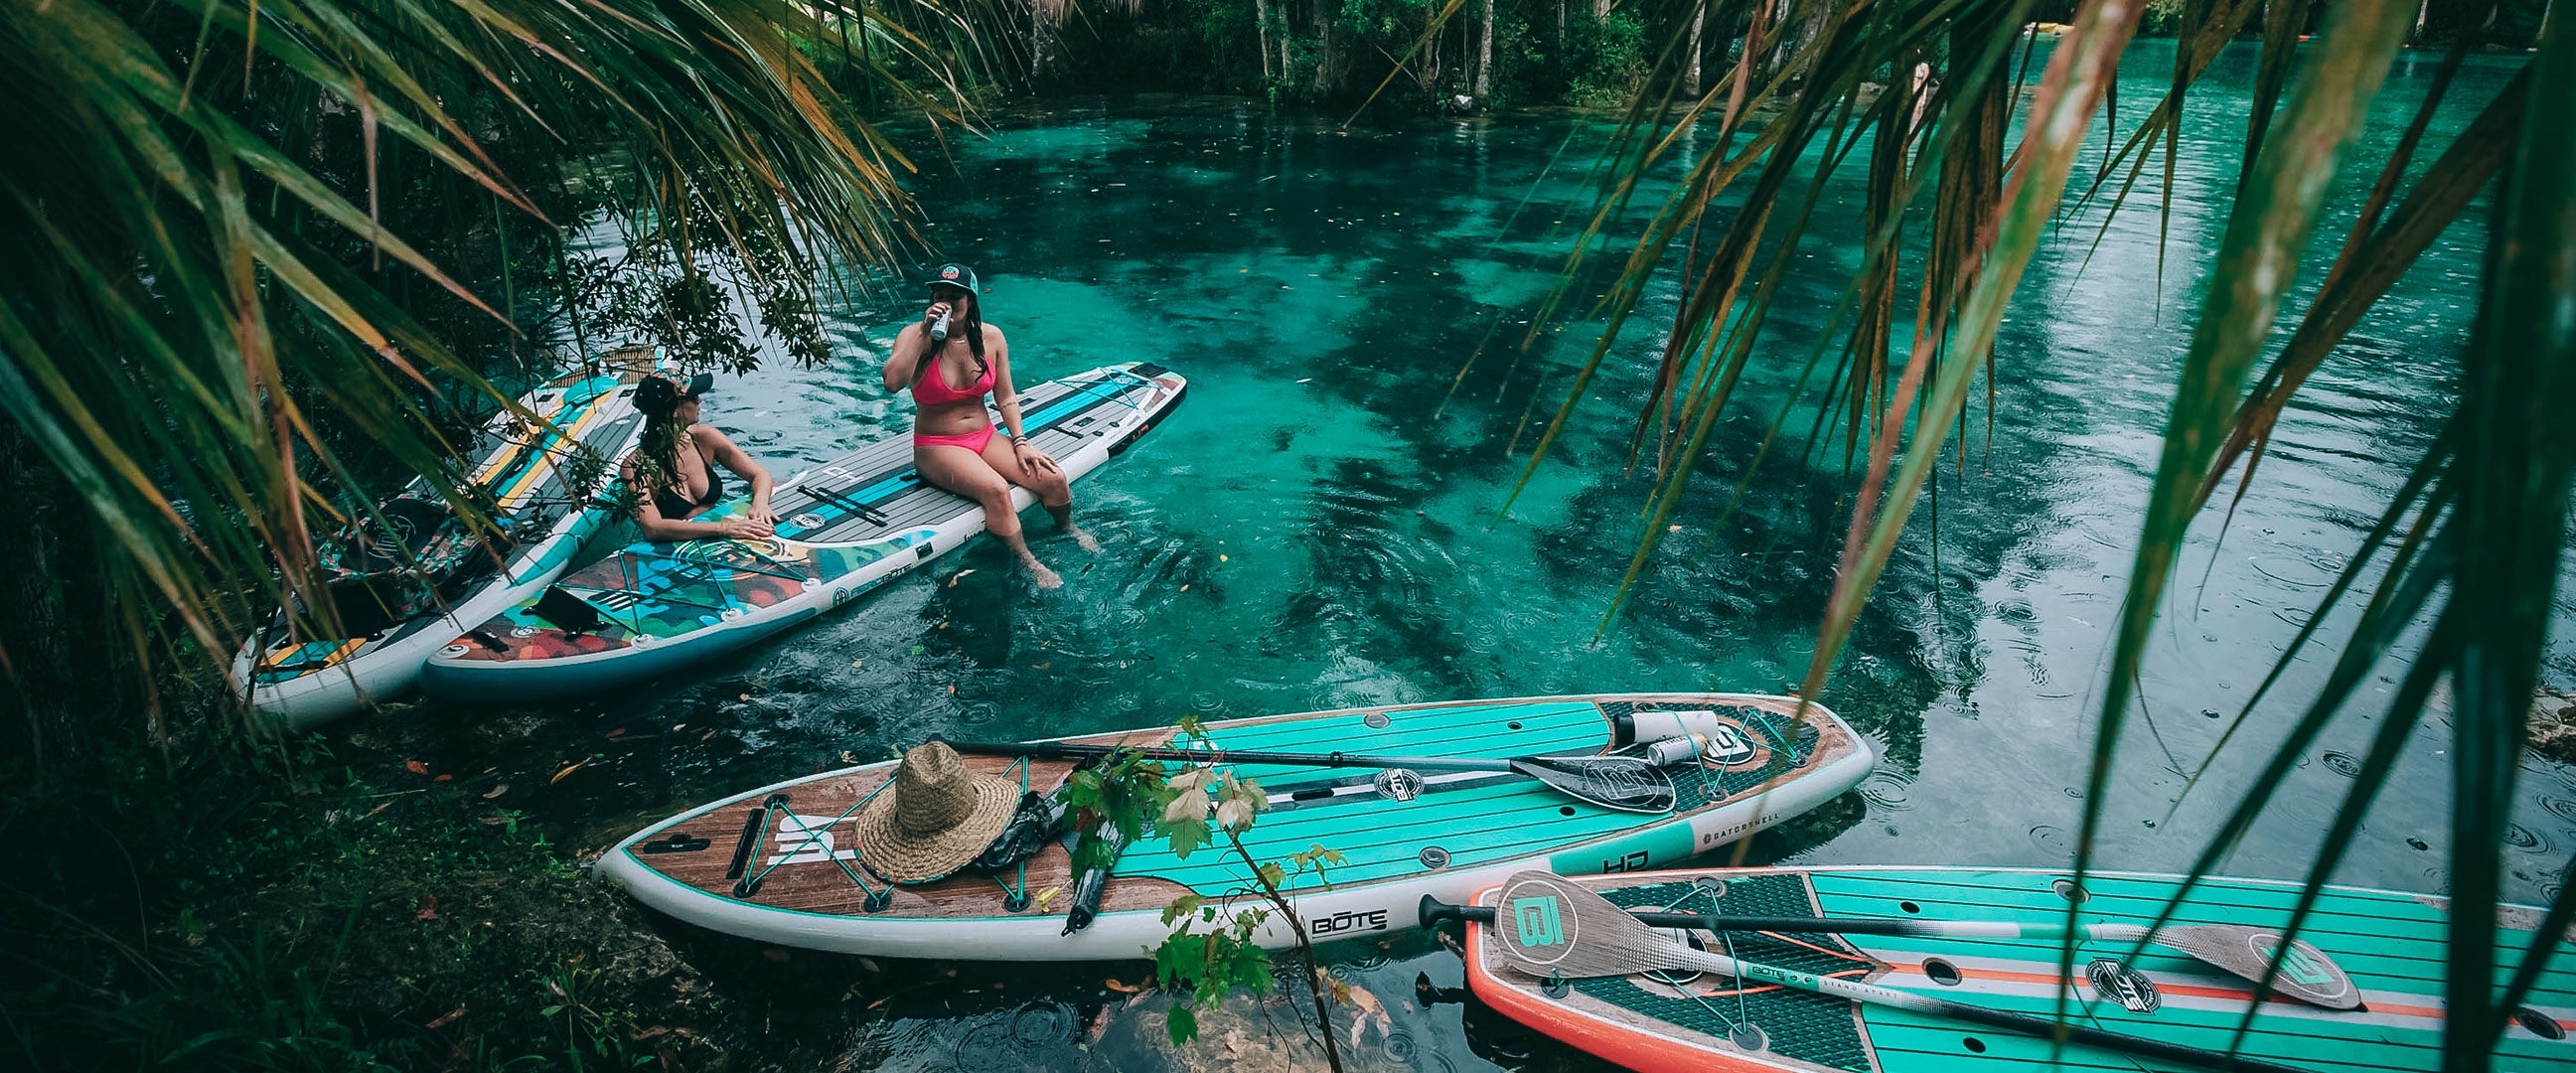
{"points": [[1485, 56], [1046, 48], [1261, 21], [1690, 80]]}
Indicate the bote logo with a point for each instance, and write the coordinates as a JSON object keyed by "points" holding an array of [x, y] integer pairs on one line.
{"points": [[1538, 921], [1340, 923]]}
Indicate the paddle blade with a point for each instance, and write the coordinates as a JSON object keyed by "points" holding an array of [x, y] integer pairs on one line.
{"points": [[1548, 926], [2307, 974], [1625, 783]]}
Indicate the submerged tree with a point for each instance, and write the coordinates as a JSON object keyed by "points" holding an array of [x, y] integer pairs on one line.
{"points": [[2469, 550]]}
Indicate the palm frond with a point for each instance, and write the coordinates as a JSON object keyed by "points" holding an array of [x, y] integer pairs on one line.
{"points": [[223, 302]]}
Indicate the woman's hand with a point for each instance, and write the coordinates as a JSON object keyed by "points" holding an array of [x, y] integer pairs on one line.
{"points": [[1030, 456], [761, 513], [936, 311], [743, 529]]}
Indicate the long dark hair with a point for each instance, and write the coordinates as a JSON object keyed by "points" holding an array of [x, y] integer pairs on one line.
{"points": [[972, 325], [657, 456]]}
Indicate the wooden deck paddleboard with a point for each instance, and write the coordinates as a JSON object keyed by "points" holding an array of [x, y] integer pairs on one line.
{"points": [[543, 480], [845, 528], [1454, 835], [2390, 943]]}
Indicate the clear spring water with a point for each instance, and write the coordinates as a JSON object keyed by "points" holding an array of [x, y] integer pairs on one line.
{"points": [[1322, 524]]}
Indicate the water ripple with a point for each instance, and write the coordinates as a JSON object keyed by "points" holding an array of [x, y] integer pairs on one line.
{"points": [[2052, 839]]}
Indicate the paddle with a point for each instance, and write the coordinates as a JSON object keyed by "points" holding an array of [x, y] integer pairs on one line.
{"points": [[1558, 929], [1625, 783], [2310, 976]]}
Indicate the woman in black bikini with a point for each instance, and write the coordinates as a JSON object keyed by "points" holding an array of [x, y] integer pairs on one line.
{"points": [[674, 470]]}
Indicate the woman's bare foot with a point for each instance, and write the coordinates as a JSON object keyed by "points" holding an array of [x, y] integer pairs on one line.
{"points": [[1084, 538], [1046, 579]]}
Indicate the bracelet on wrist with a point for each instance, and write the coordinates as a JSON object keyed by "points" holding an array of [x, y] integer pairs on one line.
{"points": [[1020, 440]]}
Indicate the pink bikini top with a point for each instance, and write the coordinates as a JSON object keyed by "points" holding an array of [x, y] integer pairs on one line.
{"points": [[933, 390]]}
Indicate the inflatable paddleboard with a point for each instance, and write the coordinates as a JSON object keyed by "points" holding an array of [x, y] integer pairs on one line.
{"points": [[402, 605], [779, 864], [2391, 945], [845, 528]]}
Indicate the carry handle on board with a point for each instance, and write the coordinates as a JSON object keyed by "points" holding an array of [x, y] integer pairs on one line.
{"points": [[2244, 951], [1559, 930], [1624, 783]]}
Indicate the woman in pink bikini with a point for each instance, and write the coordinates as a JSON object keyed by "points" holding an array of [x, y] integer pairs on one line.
{"points": [[953, 445]]}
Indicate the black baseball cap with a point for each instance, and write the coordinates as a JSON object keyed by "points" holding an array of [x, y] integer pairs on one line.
{"points": [[661, 394], [954, 274]]}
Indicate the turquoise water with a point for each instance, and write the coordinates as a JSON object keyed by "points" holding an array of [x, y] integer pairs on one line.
{"points": [[1323, 524]]}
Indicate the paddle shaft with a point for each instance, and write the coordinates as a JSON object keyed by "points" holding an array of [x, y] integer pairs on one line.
{"points": [[2233, 949], [1946, 929], [1684, 957], [1048, 750]]}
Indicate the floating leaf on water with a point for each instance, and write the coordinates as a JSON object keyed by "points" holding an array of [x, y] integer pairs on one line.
{"points": [[447, 1019], [416, 767], [568, 769], [952, 580], [1220, 558], [496, 791], [442, 778], [428, 908], [1114, 985]]}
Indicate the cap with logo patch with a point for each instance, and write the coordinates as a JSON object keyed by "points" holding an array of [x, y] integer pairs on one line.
{"points": [[956, 275]]}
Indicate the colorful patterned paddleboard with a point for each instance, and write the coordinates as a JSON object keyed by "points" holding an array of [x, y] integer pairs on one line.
{"points": [[543, 481], [779, 864], [845, 528], [2390, 944]]}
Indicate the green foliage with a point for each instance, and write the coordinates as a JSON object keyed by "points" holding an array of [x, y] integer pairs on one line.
{"points": [[1126, 791], [1212, 948], [221, 918], [1608, 58], [2164, 18], [1336, 52], [1199, 968]]}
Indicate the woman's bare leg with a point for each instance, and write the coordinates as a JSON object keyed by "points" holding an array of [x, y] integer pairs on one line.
{"points": [[1053, 489], [959, 470]]}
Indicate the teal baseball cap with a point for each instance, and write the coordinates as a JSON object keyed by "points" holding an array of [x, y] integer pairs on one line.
{"points": [[956, 275]]}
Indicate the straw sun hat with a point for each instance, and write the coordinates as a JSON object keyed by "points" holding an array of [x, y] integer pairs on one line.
{"points": [[935, 818]]}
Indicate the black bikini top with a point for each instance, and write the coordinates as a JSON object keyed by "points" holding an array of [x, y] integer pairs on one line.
{"points": [[675, 506]]}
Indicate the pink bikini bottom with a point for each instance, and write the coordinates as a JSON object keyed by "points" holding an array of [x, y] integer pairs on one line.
{"points": [[972, 441]]}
